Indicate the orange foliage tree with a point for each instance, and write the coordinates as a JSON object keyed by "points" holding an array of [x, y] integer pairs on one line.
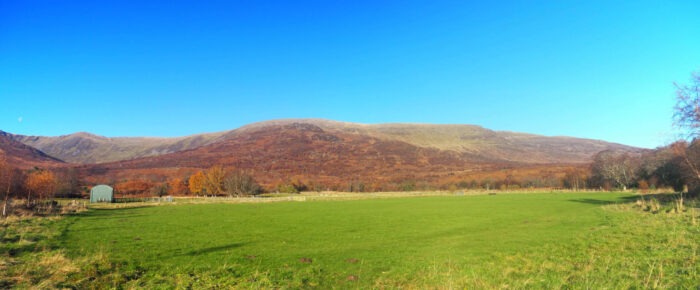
{"points": [[41, 182], [176, 186], [133, 187], [196, 182], [214, 181]]}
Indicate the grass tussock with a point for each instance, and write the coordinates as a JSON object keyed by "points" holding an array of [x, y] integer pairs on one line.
{"points": [[667, 204]]}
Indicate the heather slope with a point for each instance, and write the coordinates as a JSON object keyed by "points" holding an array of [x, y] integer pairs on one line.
{"points": [[22, 156], [460, 139], [476, 140], [279, 152], [89, 148]]}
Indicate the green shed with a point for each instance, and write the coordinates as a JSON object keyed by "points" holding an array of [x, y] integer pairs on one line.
{"points": [[101, 193]]}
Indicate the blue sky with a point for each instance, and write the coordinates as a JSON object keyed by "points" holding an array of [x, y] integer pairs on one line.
{"points": [[594, 69]]}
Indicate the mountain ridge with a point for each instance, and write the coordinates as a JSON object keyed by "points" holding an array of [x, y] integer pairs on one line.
{"points": [[23, 156], [88, 148]]}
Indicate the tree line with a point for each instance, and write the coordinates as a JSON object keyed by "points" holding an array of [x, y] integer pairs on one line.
{"points": [[213, 181], [33, 186]]}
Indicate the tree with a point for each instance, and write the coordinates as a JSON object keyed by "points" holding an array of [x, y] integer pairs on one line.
{"points": [[690, 154], [42, 183], [574, 179], [68, 183], [196, 182], [618, 169], [133, 187], [687, 110], [686, 116], [6, 182], [160, 190], [177, 186], [240, 183], [665, 166], [214, 180]]}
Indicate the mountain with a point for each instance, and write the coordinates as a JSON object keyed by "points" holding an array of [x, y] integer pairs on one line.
{"points": [[89, 148], [462, 139], [278, 152], [331, 152], [22, 156], [476, 140]]}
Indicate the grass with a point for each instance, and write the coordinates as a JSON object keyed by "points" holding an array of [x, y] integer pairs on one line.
{"points": [[545, 240]]}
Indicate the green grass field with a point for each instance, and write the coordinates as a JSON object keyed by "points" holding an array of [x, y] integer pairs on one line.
{"points": [[547, 240]]}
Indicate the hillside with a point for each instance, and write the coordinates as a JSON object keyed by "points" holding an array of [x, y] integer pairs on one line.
{"points": [[461, 139], [22, 156], [333, 153], [89, 148], [476, 140], [279, 152]]}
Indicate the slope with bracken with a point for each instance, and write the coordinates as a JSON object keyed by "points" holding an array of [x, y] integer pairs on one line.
{"points": [[278, 152], [475, 140], [88, 148], [494, 145], [330, 152], [22, 156]]}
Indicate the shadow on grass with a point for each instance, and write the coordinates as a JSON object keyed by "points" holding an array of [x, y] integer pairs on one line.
{"points": [[110, 213], [112, 209], [596, 201], [628, 198], [212, 249]]}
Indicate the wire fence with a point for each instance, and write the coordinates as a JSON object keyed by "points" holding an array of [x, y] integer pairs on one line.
{"points": [[143, 199]]}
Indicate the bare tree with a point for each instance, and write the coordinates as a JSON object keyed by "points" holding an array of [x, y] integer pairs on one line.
{"points": [[618, 169], [240, 183], [687, 110], [68, 182], [666, 166], [574, 179], [687, 117], [6, 179]]}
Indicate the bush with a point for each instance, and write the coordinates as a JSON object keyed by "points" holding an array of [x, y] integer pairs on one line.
{"points": [[287, 188]]}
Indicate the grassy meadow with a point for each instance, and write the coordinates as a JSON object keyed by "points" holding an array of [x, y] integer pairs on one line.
{"points": [[539, 240]]}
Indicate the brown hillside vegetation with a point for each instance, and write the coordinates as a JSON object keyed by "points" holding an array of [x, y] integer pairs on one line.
{"points": [[279, 152], [282, 152], [476, 140], [89, 148], [495, 145], [22, 156], [329, 155]]}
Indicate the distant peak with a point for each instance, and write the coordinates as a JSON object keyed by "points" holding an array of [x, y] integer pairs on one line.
{"points": [[85, 135]]}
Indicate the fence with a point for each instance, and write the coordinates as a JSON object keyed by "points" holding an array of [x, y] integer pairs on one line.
{"points": [[143, 199]]}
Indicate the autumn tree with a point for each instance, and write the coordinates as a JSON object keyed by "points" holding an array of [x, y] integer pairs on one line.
{"points": [[133, 187], [176, 186], [214, 180], [240, 183], [575, 179], [42, 183], [196, 183]]}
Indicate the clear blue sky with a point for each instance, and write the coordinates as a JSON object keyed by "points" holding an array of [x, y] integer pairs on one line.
{"points": [[594, 69]]}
